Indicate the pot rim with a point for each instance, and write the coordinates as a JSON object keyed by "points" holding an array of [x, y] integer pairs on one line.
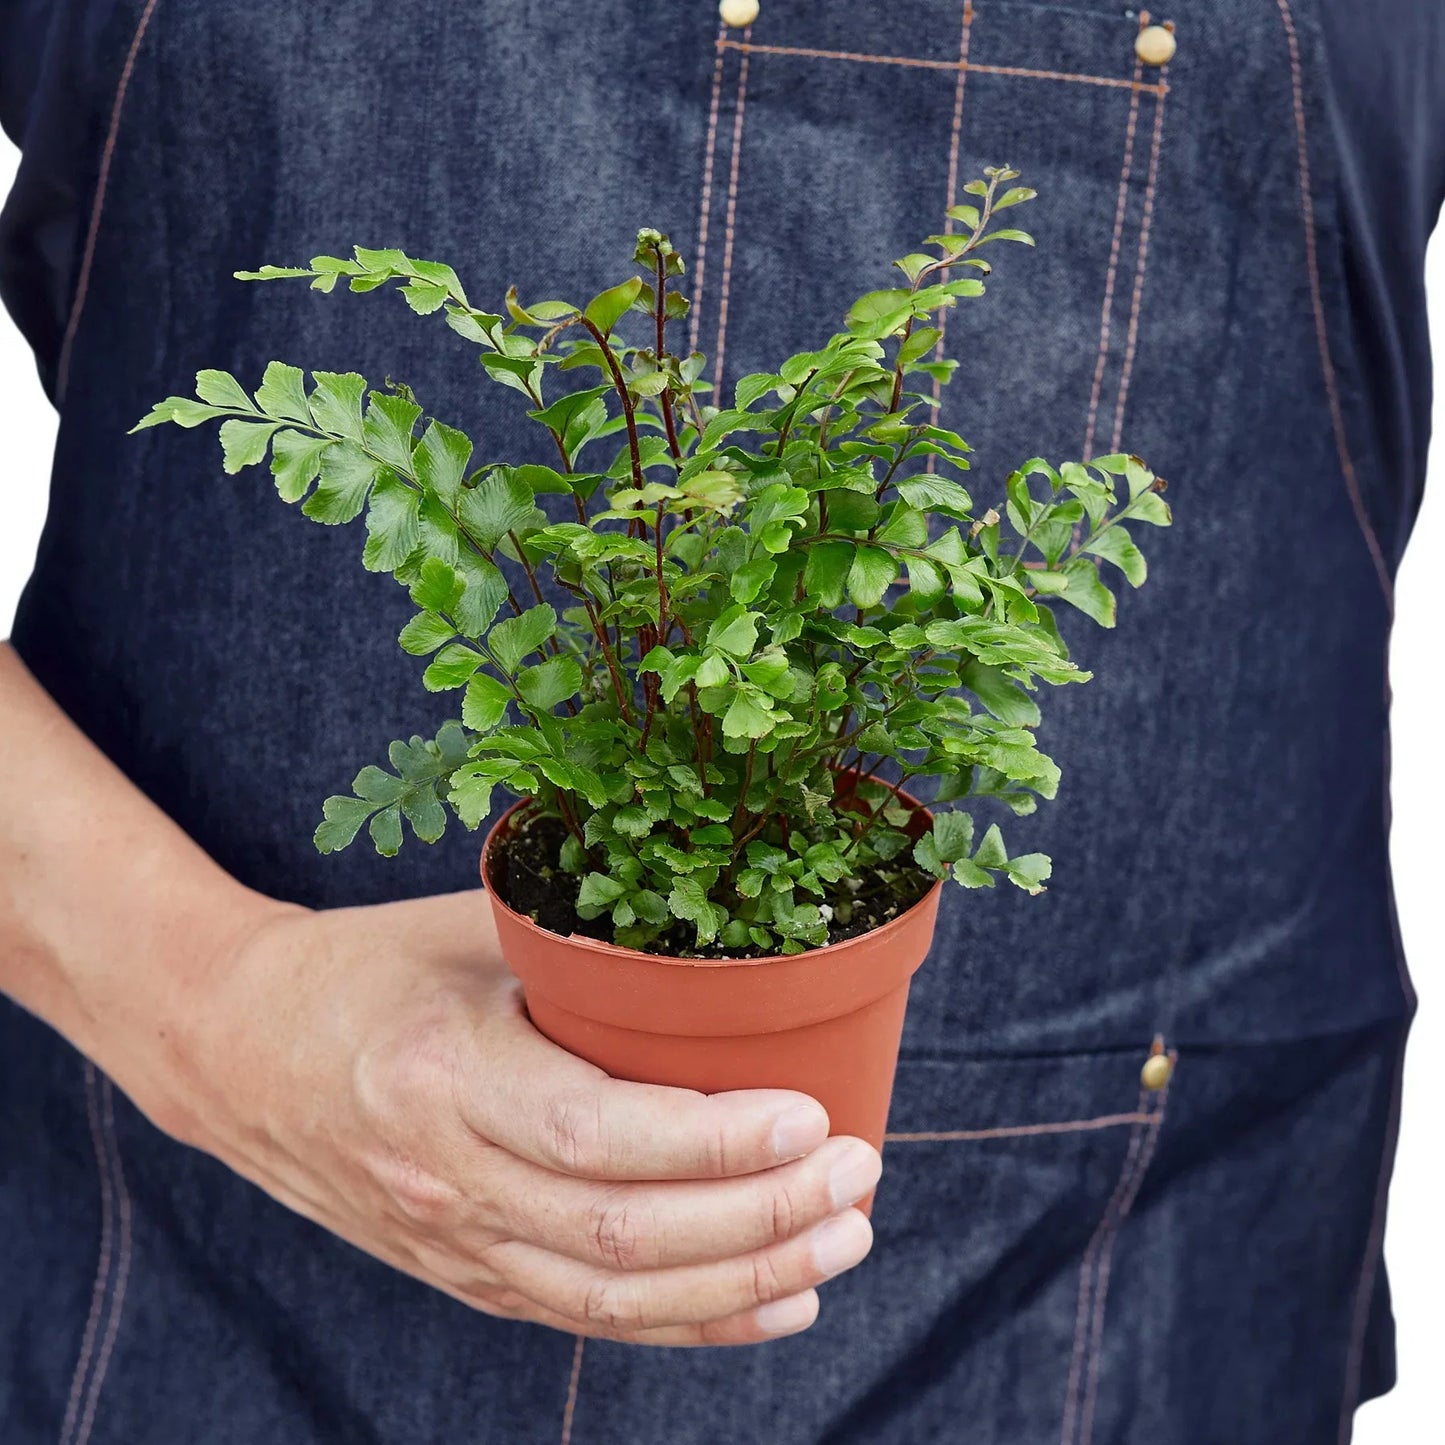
{"points": [[612, 950]]}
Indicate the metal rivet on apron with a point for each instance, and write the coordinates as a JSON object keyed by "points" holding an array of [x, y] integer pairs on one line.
{"points": [[1156, 1072], [1156, 44], [738, 13]]}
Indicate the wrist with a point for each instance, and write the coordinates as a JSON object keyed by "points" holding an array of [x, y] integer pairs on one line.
{"points": [[147, 1017]]}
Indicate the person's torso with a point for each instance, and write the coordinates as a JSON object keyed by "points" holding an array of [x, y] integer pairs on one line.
{"points": [[1220, 872]]}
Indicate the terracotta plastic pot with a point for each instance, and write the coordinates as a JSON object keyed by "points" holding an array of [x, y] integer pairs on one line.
{"points": [[826, 1022]]}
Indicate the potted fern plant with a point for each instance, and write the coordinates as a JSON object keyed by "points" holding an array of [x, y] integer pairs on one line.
{"points": [[749, 687]]}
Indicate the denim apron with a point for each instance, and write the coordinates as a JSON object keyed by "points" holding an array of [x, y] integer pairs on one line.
{"points": [[1062, 1254]]}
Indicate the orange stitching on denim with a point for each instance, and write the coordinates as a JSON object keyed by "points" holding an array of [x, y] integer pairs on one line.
{"points": [[570, 1412], [1019, 1131], [1146, 226], [729, 227], [82, 285], [917, 63], [122, 1269], [1322, 335], [1110, 81], [953, 150], [1086, 1271], [700, 270], [102, 1269], [1101, 1280], [1113, 272]]}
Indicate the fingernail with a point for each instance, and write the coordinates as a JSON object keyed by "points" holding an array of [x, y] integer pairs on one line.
{"points": [[854, 1175], [799, 1131], [839, 1243], [787, 1316]]}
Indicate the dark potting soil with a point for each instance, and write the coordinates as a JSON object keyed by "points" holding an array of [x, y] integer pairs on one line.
{"points": [[531, 881]]}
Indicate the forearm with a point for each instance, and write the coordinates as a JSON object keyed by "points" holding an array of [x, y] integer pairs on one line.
{"points": [[109, 914]]}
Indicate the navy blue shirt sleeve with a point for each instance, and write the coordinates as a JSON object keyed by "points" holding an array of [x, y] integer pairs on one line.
{"points": [[1385, 95], [56, 83]]}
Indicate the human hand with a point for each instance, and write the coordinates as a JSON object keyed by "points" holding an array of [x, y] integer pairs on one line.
{"points": [[391, 1087]]}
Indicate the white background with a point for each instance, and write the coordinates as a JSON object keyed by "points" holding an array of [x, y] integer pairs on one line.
{"points": [[1409, 1416]]}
